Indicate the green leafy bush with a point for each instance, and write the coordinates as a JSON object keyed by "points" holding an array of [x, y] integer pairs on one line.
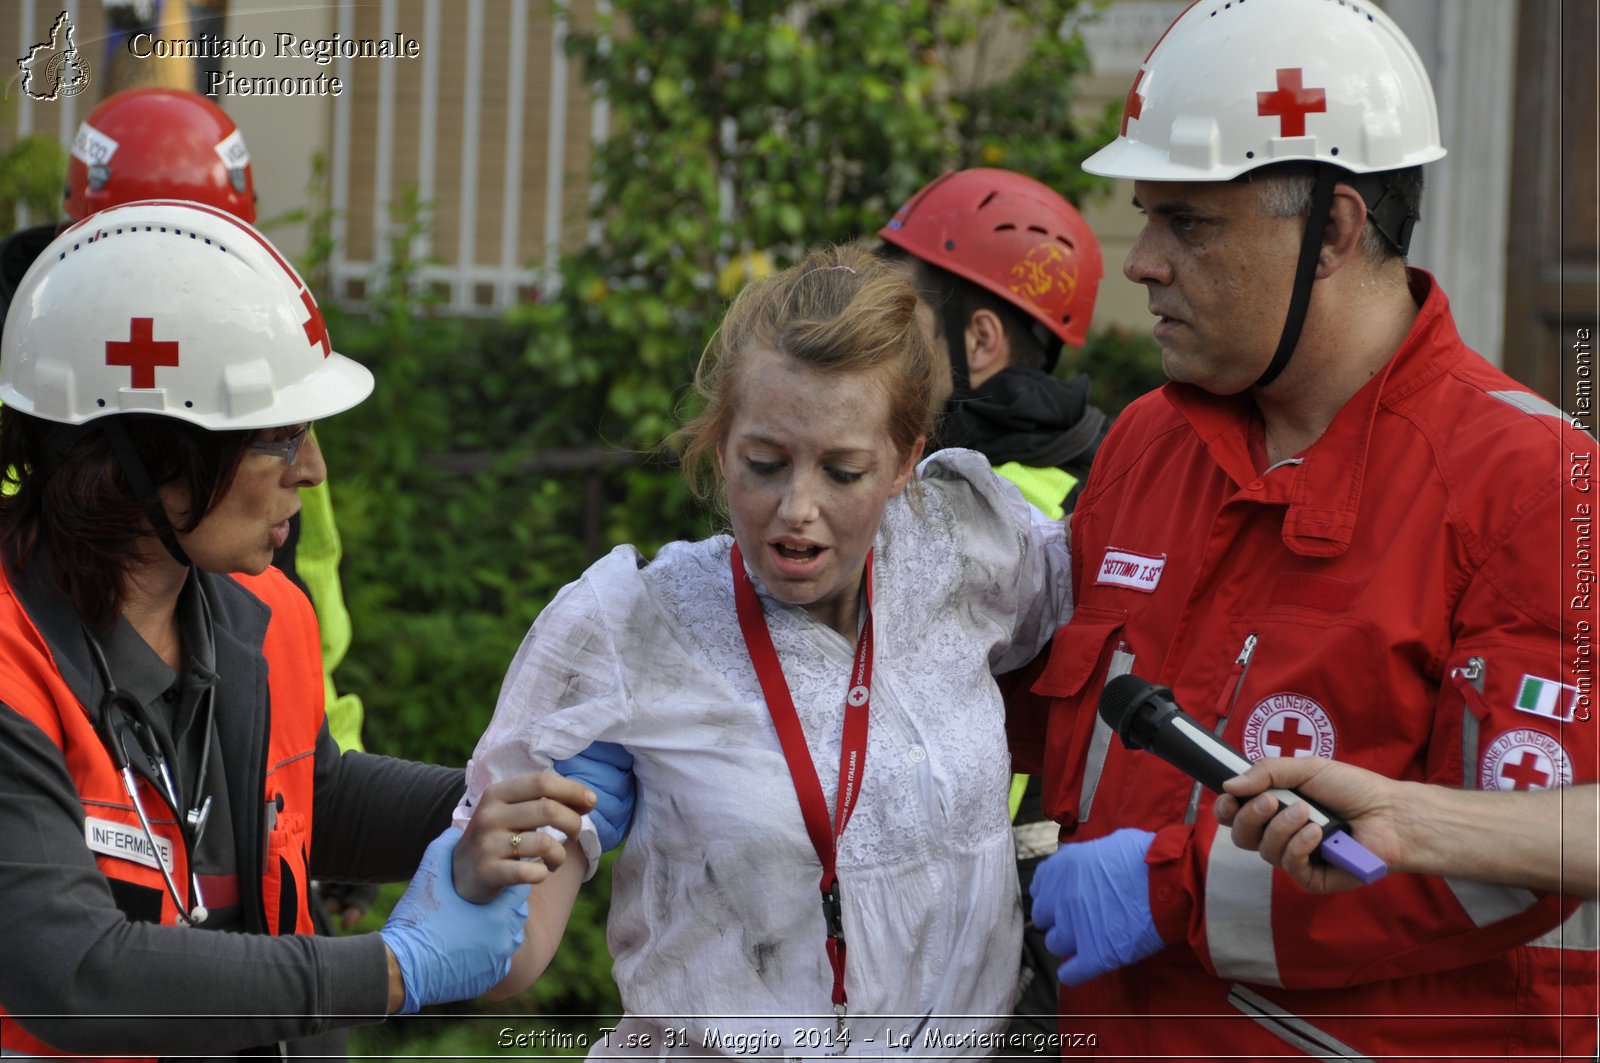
{"points": [[32, 173], [762, 127], [1124, 364]]}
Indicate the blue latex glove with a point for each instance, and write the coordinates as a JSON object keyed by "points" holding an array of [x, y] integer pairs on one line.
{"points": [[450, 949], [1092, 900], [607, 769]]}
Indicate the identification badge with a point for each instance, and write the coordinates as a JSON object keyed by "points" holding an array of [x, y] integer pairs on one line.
{"points": [[92, 147], [232, 151], [126, 842], [1123, 568]]}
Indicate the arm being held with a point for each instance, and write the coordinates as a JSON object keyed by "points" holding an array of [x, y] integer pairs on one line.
{"points": [[549, 909], [540, 718], [504, 845], [441, 947], [487, 861], [453, 934]]}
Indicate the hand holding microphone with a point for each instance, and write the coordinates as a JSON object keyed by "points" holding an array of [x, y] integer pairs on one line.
{"points": [[1092, 898], [1145, 716], [1285, 837]]}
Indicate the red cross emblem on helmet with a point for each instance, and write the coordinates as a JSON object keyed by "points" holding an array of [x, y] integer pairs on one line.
{"points": [[1290, 102], [316, 328], [142, 352], [194, 315], [1133, 106]]}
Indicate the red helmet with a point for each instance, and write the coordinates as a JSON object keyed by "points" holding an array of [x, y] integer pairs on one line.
{"points": [[1012, 235], [157, 143]]}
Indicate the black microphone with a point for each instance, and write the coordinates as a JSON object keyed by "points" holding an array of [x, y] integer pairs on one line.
{"points": [[1146, 716]]}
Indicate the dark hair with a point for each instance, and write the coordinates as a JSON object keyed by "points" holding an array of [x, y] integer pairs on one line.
{"points": [[1286, 193], [840, 310], [954, 298], [65, 493]]}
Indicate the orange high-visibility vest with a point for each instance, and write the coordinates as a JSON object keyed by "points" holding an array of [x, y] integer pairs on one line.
{"points": [[32, 685]]}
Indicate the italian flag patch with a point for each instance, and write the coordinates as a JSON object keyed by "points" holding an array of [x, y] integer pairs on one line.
{"points": [[1547, 698]]}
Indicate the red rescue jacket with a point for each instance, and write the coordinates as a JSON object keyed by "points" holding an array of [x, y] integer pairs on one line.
{"points": [[1389, 598]]}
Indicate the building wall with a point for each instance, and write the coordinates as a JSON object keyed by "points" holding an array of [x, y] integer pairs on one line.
{"points": [[1469, 48], [489, 123], [495, 131], [284, 133], [1119, 38]]}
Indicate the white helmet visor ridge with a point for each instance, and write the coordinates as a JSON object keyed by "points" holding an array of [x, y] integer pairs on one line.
{"points": [[1234, 86], [171, 308]]}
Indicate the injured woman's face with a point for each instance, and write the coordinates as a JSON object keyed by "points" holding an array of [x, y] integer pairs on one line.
{"points": [[810, 467]]}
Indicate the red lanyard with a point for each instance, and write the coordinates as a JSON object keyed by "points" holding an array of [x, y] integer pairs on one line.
{"points": [[852, 752]]}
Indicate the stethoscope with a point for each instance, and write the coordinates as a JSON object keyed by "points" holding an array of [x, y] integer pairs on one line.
{"points": [[115, 705]]}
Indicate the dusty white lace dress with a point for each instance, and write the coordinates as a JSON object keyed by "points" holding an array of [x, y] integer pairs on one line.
{"points": [[716, 925]]}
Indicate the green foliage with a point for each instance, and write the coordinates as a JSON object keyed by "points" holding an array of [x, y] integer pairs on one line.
{"points": [[764, 126], [32, 173], [1123, 363], [485, 1032], [318, 223]]}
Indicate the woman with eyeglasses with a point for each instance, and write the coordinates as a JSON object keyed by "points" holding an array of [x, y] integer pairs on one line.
{"points": [[165, 766]]}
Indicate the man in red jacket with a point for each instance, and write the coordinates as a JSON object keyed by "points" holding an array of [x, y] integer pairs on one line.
{"points": [[1336, 531]]}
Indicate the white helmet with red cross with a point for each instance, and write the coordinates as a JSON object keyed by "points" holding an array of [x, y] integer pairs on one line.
{"points": [[172, 308], [1238, 84]]}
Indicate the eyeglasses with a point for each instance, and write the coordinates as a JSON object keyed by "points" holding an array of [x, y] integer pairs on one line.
{"points": [[284, 442]]}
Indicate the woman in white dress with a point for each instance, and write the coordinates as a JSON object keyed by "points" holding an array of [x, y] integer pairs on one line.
{"points": [[855, 617]]}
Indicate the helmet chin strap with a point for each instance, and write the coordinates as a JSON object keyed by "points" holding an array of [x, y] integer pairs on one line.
{"points": [[1305, 273], [955, 338], [139, 479]]}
